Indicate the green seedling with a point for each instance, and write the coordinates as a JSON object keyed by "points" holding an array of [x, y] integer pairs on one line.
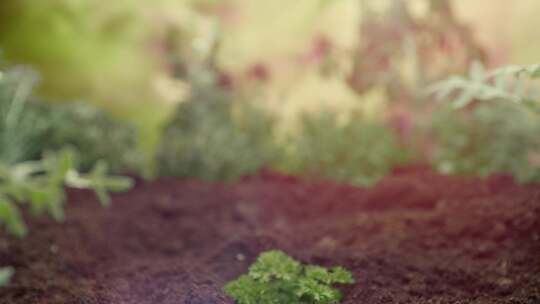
{"points": [[276, 278]]}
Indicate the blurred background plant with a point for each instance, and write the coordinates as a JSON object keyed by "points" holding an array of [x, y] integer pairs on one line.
{"points": [[86, 49], [138, 63], [37, 159], [489, 139], [214, 137], [41, 184], [38, 144], [496, 130], [352, 149], [29, 127]]}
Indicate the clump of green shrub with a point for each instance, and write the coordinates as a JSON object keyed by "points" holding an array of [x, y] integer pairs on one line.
{"points": [[277, 278], [491, 138], [357, 151], [93, 131], [28, 127], [498, 130], [213, 138]]}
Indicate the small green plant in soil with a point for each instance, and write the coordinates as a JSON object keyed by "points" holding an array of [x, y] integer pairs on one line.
{"points": [[278, 278]]}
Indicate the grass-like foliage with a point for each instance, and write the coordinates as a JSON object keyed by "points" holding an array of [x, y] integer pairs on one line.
{"points": [[213, 138], [277, 278], [357, 151], [28, 127], [41, 184]]}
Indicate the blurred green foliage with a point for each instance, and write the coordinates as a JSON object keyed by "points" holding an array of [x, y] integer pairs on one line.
{"points": [[31, 174], [99, 52], [41, 184], [214, 137], [489, 139], [5, 275], [510, 83], [89, 50], [30, 129], [355, 151], [497, 129], [29, 126], [79, 45]]}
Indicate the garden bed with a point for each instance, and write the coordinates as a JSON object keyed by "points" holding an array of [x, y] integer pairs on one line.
{"points": [[417, 237]]}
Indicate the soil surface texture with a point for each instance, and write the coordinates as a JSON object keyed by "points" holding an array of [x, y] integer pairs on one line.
{"points": [[416, 237]]}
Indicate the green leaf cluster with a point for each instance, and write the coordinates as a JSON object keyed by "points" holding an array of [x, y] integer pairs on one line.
{"points": [[40, 184], [276, 278], [357, 151]]}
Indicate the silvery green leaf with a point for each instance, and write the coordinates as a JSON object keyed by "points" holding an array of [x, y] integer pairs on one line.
{"points": [[463, 99], [477, 72]]}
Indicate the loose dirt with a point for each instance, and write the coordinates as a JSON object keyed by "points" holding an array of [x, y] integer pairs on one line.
{"points": [[416, 237]]}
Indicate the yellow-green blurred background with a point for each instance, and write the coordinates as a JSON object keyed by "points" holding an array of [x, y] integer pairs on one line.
{"points": [[290, 55]]}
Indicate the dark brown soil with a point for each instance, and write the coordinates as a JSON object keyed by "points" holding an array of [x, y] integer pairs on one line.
{"points": [[417, 237]]}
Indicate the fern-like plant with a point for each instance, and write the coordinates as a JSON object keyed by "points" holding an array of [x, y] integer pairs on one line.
{"points": [[276, 278]]}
